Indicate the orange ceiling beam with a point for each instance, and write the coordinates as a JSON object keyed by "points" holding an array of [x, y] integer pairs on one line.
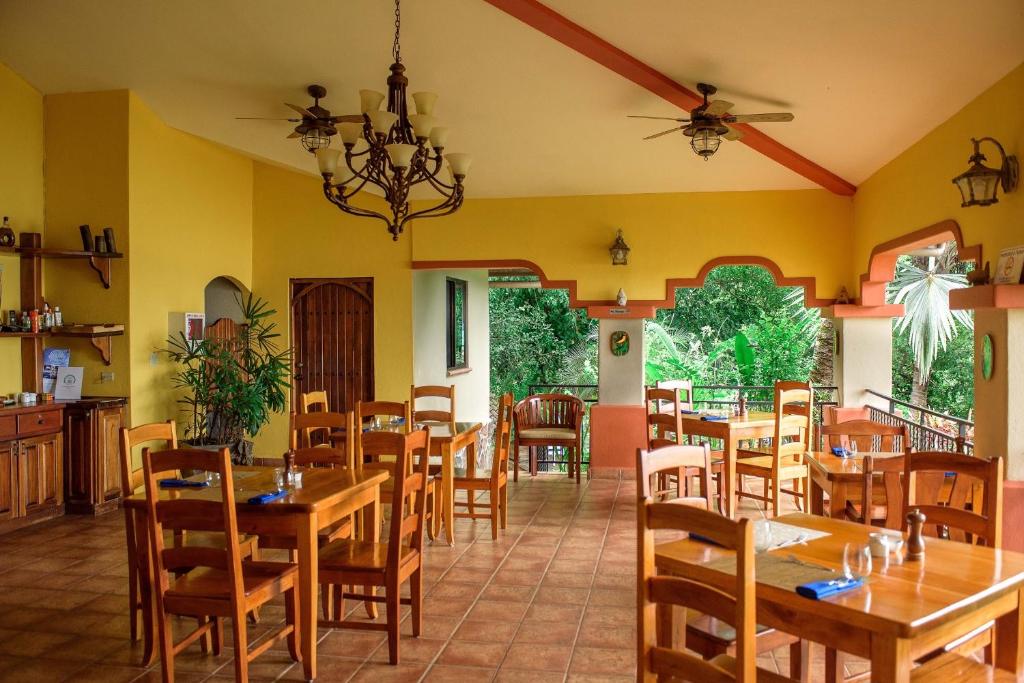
{"points": [[571, 34]]}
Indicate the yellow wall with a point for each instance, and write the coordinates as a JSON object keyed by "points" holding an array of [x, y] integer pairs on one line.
{"points": [[915, 189], [297, 234], [21, 197], [190, 210], [87, 182], [670, 235]]}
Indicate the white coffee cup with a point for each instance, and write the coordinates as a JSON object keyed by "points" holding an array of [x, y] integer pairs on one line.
{"points": [[882, 543]]}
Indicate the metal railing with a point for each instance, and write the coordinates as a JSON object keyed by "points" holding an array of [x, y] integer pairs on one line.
{"points": [[929, 430]]}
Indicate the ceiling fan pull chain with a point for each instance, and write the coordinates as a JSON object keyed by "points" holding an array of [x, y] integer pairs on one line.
{"points": [[396, 51]]}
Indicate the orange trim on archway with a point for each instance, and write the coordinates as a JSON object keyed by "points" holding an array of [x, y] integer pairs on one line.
{"points": [[598, 306], [882, 262]]}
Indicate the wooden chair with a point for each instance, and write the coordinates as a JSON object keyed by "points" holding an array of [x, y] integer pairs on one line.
{"points": [[946, 507], [657, 657], [497, 483], [216, 583], [320, 429], [313, 399], [549, 420], [665, 428], [390, 411], [400, 558], [783, 461], [683, 389], [886, 503], [433, 414], [132, 479], [676, 459]]}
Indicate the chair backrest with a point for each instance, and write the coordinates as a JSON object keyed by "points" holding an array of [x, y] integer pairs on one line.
{"points": [[940, 485], [314, 429], [868, 435], [434, 393], [792, 399], [165, 432], [736, 605], [549, 410], [387, 410], [683, 389], [502, 435], [664, 419], [890, 470], [313, 399], [674, 459], [410, 470], [188, 513]]}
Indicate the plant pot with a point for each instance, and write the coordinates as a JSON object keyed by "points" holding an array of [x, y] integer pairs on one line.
{"points": [[241, 450]]}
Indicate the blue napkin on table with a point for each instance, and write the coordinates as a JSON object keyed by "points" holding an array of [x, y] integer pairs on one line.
{"points": [[182, 484], [840, 451], [689, 412], [264, 498], [714, 418], [703, 539], [819, 590]]}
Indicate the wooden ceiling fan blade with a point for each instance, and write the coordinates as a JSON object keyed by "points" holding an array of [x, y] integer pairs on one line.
{"points": [[718, 107], [305, 112], [348, 118], [656, 118], [265, 118], [733, 133], [780, 117], [295, 134], [664, 132]]}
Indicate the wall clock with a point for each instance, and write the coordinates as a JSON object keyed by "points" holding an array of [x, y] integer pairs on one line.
{"points": [[986, 356], [619, 342]]}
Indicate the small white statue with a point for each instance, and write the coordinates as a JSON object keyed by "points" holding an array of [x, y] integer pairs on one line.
{"points": [[620, 298]]}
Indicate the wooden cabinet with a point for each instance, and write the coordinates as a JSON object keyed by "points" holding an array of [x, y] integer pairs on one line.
{"points": [[31, 465], [92, 459]]}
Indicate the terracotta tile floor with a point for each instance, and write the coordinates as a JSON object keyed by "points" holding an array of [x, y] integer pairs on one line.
{"points": [[551, 599]]}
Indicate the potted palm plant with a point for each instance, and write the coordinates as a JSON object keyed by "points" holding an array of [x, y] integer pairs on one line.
{"points": [[232, 387]]}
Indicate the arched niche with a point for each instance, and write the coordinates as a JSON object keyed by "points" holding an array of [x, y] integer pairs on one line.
{"points": [[221, 298]]}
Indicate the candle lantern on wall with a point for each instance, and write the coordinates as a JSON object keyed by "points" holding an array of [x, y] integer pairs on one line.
{"points": [[619, 251]]}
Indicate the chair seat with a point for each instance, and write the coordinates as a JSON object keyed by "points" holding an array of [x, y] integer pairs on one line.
{"points": [[558, 433], [206, 582], [209, 539], [753, 452], [952, 667], [853, 510], [361, 556], [714, 636], [762, 465]]}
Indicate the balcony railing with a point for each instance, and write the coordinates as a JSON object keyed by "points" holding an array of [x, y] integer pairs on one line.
{"points": [[929, 430]]}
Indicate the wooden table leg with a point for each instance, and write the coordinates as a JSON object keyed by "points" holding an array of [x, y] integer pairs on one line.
{"points": [[1009, 638], [306, 530], [890, 659], [145, 587], [729, 469], [817, 496], [448, 488], [371, 534], [837, 498]]}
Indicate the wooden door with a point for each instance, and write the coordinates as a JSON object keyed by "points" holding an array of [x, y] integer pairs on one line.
{"points": [[8, 480], [109, 423], [332, 339], [39, 465]]}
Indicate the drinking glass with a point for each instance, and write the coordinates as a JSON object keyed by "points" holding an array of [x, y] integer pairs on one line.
{"points": [[853, 448], [856, 560]]}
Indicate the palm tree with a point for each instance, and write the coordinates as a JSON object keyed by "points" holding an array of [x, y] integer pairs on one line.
{"points": [[922, 285]]}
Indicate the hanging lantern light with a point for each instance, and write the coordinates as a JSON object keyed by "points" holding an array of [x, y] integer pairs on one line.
{"points": [[619, 251], [705, 142], [979, 184]]}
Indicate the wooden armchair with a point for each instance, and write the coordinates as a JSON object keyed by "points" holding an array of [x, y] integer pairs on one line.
{"points": [[549, 420]]}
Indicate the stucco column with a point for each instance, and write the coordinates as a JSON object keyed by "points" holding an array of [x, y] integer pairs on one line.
{"points": [[862, 359], [617, 424]]}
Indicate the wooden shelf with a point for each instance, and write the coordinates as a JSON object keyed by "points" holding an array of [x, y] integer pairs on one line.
{"points": [[24, 335], [98, 260], [98, 335], [987, 296]]}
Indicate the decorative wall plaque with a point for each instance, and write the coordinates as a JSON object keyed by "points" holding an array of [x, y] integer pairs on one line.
{"points": [[619, 343], [986, 356]]}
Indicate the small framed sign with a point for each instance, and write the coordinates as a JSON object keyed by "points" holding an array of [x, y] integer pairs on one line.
{"points": [[1010, 267]]}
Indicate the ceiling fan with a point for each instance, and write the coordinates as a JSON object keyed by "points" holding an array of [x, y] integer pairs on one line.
{"points": [[316, 125], [710, 122]]}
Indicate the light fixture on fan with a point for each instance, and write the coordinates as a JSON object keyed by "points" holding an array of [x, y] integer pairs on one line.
{"points": [[398, 154], [979, 184]]}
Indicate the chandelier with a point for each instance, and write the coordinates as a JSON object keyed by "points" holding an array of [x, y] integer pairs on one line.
{"points": [[402, 151]]}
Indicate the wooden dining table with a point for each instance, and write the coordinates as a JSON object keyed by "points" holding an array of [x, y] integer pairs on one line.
{"points": [[733, 430], [323, 497], [841, 478], [904, 611]]}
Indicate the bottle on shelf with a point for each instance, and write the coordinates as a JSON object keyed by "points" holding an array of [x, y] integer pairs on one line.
{"points": [[33, 320], [45, 322], [58, 317]]}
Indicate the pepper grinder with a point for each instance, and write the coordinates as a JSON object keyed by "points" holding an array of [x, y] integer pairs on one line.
{"points": [[289, 465], [743, 406], [915, 539]]}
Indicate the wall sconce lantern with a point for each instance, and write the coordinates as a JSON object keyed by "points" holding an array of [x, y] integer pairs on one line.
{"points": [[979, 184], [619, 251]]}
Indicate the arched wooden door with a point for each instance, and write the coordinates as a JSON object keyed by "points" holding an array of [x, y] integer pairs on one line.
{"points": [[332, 339]]}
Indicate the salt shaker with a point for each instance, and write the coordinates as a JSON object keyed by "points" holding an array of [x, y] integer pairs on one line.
{"points": [[915, 539]]}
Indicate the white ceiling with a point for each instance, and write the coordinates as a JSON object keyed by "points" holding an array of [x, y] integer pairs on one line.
{"points": [[865, 79]]}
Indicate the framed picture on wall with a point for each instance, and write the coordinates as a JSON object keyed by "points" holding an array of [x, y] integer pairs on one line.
{"points": [[1010, 267]]}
